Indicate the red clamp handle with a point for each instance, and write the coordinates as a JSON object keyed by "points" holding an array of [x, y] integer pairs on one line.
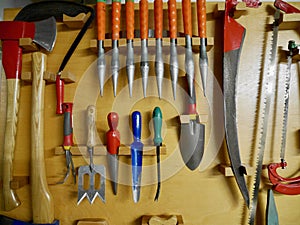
{"points": [[288, 186]]}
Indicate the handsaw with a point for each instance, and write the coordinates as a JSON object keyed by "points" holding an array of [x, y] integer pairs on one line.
{"points": [[268, 84], [289, 186], [234, 35]]}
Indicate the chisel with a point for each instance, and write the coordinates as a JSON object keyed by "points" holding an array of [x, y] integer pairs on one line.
{"points": [[159, 63], [203, 61], [115, 61], [101, 64], [130, 36], [144, 65], [157, 124], [189, 62], [172, 12], [113, 143], [136, 155]]}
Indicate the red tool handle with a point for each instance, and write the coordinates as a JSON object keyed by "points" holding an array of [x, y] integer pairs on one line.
{"points": [[113, 135], [129, 19], [68, 124], [101, 11], [144, 19], [60, 84], [187, 17], [116, 16], [285, 7], [172, 12], [158, 18], [288, 186], [201, 15]]}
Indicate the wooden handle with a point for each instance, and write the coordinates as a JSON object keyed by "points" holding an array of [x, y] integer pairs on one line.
{"points": [[201, 14], [91, 119], [144, 19], [158, 18], [129, 19], [11, 200], [42, 201], [101, 12], [187, 17], [116, 16], [172, 12]]}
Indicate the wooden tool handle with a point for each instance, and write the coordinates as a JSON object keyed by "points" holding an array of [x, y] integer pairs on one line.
{"points": [[187, 17], [144, 19], [116, 16], [172, 12], [201, 14], [91, 119], [11, 200], [101, 12], [129, 19], [42, 201], [158, 18]]}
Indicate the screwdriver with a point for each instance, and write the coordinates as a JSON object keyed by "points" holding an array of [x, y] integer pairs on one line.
{"points": [[157, 124], [136, 155], [115, 61], [113, 144]]}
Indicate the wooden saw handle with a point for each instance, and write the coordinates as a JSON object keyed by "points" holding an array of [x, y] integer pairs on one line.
{"points": [[42, 202], [91, 116]]}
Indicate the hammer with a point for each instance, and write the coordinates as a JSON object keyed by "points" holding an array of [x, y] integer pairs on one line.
{"points": [[44, 34]]}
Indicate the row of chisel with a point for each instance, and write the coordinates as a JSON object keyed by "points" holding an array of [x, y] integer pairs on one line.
{"points": [[144, 34]]}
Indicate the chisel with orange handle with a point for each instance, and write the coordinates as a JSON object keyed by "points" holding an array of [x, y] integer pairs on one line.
{"points": [[172, 12], [159, 63], [113, 143], [144, 65], [115, 61], [203, 61], [189, 62], [101, 64], [130, 36]]}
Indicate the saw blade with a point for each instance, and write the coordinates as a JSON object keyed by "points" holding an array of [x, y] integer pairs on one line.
{"points": [[285, 106], [269, 85]]}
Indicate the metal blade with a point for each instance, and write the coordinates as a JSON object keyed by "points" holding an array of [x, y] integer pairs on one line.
{"points": [[271, 211], [45, 33], [229, 85], [268, 84], [113, 165], [192, 143]]}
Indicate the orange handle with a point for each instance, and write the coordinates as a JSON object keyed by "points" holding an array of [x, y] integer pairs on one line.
{"points": [[158, 18], [201, 14], [187, 17], [172, 11], [116, 16], [144, 19], [129, 19], [101, 11]]}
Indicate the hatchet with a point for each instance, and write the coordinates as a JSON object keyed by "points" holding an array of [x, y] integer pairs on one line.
{"points": [[42, 33]]}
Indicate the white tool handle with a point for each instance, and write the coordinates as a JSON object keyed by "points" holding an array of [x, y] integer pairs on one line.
{"points": [[91, 117]]}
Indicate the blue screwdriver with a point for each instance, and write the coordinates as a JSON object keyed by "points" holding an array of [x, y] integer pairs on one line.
{"points": [[136, 155]]}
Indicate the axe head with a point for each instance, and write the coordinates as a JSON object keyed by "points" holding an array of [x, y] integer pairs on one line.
{"points": [[45, 33], [42, 32]]}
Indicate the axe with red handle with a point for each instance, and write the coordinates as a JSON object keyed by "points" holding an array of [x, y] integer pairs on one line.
{"points": [[44, 34]]}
